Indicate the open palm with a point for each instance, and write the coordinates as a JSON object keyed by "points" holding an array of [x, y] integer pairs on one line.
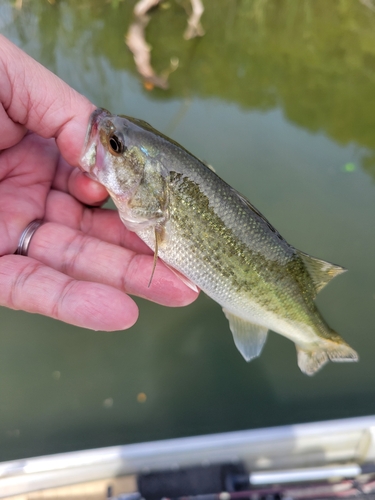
{"points": [[82, 262]]}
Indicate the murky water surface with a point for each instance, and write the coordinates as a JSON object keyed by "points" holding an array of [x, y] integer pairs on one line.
{"points": [[279, 97]]}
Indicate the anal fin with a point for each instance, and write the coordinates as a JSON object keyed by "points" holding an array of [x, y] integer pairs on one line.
{"points": [[248, 337]]}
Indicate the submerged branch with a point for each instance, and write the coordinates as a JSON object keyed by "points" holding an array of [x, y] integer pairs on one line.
{"points": [[369, 4], [136, 41], [194, 25], [143, 6]]}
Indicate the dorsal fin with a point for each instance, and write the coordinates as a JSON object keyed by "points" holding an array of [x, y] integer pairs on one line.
{"points": [[321, 272], [247, 203]]}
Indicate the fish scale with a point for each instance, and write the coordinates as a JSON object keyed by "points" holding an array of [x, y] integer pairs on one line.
{"points": [[211, 235]]}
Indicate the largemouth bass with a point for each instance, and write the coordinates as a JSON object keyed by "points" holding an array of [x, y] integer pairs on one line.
{"points": [[212, 236]]}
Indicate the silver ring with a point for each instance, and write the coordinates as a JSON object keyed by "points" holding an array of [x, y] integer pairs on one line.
{"points": [[28, 233]]}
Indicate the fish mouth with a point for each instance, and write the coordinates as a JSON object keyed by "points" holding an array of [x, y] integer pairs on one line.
{"points": [[89, 151]]}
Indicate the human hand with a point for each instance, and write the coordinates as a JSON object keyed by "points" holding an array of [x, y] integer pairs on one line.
{"points": [[82, 260]]}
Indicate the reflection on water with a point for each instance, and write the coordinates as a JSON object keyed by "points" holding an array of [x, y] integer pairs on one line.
{"points": [[313, 59], [278, 96]]}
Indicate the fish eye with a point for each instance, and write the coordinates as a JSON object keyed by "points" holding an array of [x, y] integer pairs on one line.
{"points": [[116, 144]]}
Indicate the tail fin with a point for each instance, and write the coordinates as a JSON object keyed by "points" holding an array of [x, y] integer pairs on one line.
{"points": [[310, 361]]}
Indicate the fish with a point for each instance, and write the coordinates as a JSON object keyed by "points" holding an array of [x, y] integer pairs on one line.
{"points": [[214, 239]]}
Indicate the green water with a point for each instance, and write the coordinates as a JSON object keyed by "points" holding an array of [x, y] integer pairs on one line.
{"points": [[279, 96]]}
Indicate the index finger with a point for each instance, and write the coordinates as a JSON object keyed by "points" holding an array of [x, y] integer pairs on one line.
{"points": [[33, 98]]}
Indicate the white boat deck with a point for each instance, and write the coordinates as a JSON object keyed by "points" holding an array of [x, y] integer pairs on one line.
{"points": [[336, 442]]}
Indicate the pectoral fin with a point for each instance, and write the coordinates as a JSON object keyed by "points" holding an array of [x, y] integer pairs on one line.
{"points": [[248, 337], [321, 272]]}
